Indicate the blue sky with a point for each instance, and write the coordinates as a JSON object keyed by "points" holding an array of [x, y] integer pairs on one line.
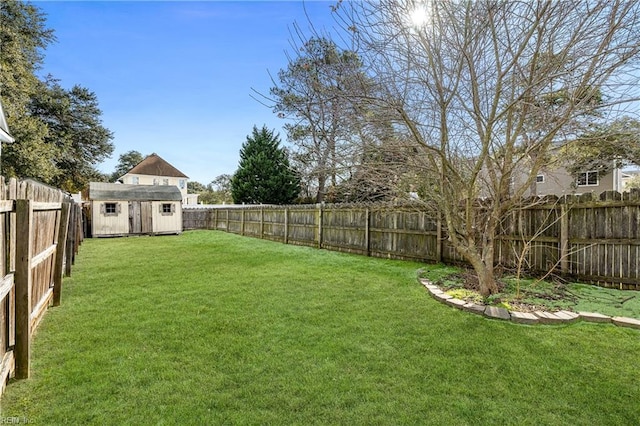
{"points": [[176, 78]]}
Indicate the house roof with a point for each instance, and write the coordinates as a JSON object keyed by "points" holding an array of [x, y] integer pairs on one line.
{"points": [[100, 191], [154, 165], [5, 136]]}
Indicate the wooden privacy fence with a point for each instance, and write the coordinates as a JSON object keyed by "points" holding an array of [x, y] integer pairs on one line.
{"points": [[594, 240], [42, 229]]}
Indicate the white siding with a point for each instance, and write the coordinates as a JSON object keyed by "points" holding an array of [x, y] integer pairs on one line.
{"points": [[167, 222], [107, 224], [181, 183]]}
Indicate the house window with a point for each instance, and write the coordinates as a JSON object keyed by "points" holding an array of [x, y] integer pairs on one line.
{"points": [[540, 179], [135, 180], [110, 209], [165, 181], [156, 181], [167, 209], [182, 183], [588, 179]]}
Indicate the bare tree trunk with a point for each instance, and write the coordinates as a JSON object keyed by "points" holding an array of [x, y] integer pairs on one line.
{"points": [[322, 183]]}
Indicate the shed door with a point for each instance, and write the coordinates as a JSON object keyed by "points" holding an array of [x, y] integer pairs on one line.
{"points": [[146, 213], [135, 217], [140, 217]]}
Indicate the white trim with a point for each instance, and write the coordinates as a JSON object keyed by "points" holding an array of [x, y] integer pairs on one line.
{"points": [[586, 178], [4, 128]]}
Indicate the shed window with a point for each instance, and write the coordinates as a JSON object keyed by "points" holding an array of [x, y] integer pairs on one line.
{"points": [[167, 209], [540, 179], [110, 209]]}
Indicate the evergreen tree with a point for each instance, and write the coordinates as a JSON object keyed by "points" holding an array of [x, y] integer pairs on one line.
{"points": [[264, 174]]}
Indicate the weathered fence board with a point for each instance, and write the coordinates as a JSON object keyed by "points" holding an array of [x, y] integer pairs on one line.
{"points": [[591, 240]]}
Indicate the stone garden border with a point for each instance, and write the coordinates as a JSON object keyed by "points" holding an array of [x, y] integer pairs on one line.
{"points": [[530, 318]]}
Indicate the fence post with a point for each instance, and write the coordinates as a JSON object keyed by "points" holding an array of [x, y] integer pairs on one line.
{"points": [[286, 225], [319, 219], [564, 239], [394, 235], [367, 232], [69, 249], [63, 228], [24, 221], [439, 238], [261, 222]]}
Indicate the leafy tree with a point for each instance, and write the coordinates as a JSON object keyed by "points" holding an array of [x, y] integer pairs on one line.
{"points": [[220, 189], [58, 132], [23, 37], [126, 162], [464, 85], [75, 129], [194, 187], [264, 174]]}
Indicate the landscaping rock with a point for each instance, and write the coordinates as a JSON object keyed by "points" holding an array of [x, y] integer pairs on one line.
{"points": [[594, 317], [432, 288], [474, 308], [496, 312], [425, 282], [435, 291], [548, 318], [568, 316], [523, 317], [626, 322], [442, 296], [537, 317], [456, 303]]}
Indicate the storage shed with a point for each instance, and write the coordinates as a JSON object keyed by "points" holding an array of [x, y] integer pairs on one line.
{"points": [[118, 209]]}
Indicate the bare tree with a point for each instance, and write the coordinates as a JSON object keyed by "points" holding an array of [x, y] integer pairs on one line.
{"points": [[483, 89]]}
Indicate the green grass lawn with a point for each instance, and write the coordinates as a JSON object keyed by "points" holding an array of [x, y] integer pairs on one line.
{"points": [[214, 328]]}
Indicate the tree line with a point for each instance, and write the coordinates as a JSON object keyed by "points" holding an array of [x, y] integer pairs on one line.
{"points": [[59, 134]]}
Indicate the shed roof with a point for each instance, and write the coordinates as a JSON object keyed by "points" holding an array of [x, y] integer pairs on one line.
{"points": [[154, 165], [100, 191], [5, 136]]}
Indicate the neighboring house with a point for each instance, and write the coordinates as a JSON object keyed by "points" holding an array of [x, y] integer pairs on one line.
{"points": [[119, 209], [5, 136], [154, 170], [558, 181]]}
